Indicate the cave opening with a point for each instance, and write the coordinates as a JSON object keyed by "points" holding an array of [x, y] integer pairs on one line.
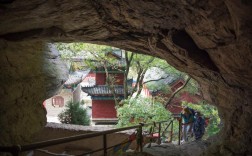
{"points": [[78, 58]]}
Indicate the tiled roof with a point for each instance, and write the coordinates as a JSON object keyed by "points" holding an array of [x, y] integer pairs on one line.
{"points": [[88, 83], [170, 80], [76, 77], [110, 97], [102, 90]]}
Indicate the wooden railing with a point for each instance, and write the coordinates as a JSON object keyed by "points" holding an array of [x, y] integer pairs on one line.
{"points": [[16, 150]]}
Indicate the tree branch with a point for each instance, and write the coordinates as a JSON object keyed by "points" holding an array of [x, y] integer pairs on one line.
{"points": [[110, 84], [176, 91], [140, 84], [156, 79], [128, 63], [134, 89]]}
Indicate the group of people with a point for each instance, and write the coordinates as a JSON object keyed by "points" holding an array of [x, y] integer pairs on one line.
{"points": [[193, 124]]}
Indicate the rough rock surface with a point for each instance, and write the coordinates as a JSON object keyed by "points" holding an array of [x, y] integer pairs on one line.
{"points": [[24, 81], [209, 39]]}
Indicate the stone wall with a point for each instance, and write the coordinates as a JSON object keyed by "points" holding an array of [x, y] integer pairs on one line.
{"points": [[54, 131], [65, 93]]}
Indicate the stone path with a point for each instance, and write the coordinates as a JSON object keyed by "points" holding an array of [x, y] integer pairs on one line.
{"points": [[194, 148], [52, 113]]}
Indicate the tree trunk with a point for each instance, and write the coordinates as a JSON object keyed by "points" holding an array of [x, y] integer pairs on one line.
{"points": [[140, 83], [125, 82], [177, 91], [111, 84]]}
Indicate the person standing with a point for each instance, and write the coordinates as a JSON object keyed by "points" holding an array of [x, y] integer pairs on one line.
{"points": [[187, 122], [198, 126]]}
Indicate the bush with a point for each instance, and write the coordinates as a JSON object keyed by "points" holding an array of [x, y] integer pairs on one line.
{"points": [[139, 110], [74, 114]]}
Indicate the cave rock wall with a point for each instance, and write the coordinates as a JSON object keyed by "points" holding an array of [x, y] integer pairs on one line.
{"points": [[30, 73]]}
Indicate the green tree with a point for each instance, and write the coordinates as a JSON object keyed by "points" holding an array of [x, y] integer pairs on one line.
{"points": [[140, 109], [139, 65], [70, 50], [173, 94], [135, 64], [74, 114], [95, 56]]}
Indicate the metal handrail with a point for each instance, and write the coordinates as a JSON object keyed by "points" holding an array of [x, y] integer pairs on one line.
{"points": [[16, 149]]}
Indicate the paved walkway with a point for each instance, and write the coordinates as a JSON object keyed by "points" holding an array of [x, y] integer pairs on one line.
{"points": [[52, 113]]}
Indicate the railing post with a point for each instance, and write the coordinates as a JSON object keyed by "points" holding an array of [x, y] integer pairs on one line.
{"points": [[171, 130], [159, 133], [104, 144], [141, 137], [179, 131]]}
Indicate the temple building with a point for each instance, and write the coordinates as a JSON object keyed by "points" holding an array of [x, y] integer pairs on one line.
{"points": [[103, 102]]}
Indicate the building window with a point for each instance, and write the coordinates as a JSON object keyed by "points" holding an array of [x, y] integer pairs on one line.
{"points": [[58, 100]]}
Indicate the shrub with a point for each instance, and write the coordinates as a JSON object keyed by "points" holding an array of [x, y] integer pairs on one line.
{"points": [[139, 110], [74, 114]]}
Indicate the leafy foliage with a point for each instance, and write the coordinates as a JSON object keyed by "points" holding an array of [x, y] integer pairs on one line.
{"points": [[74, 114], [94, 57], [208, 111], [139, 110], [70, 50], [163, 85], [137, 66]]}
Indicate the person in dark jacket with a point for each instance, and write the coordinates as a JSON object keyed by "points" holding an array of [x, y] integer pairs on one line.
{"points": [[198, 126]]}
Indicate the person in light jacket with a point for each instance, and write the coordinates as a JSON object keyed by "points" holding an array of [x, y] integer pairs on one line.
{"points": [[187, 122]]}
